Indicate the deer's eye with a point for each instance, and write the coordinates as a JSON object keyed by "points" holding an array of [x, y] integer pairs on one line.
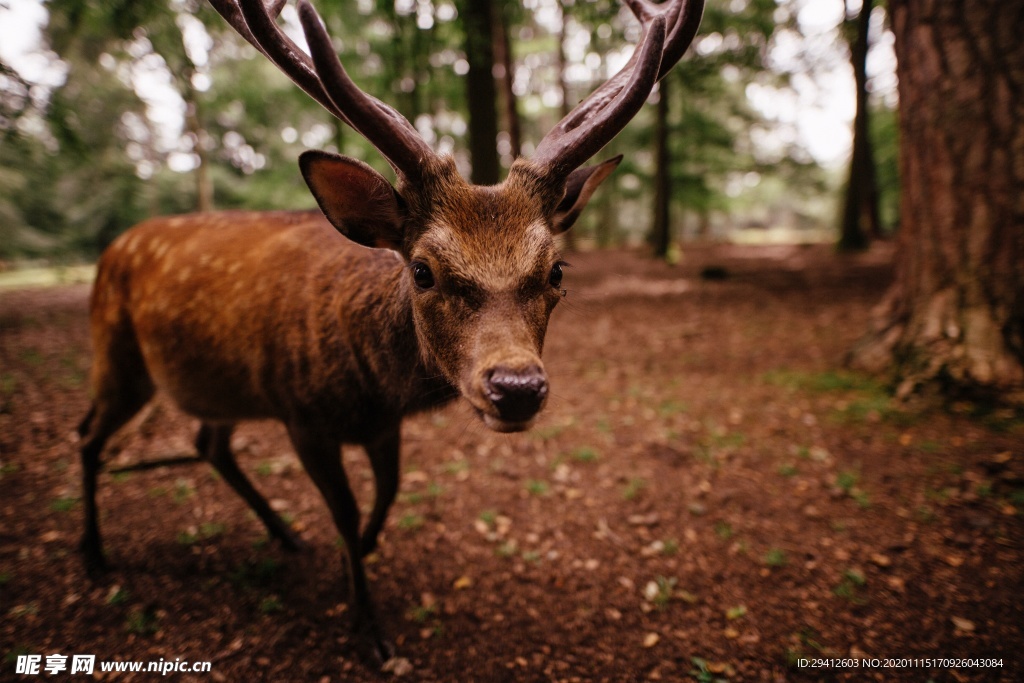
{"points": [[555, 278], [421, 275]]}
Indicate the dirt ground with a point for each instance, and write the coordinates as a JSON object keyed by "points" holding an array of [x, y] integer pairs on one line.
{"points": [[707, 497]]}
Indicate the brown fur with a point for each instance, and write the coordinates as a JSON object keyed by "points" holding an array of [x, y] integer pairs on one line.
{"points": [[241, 315]]}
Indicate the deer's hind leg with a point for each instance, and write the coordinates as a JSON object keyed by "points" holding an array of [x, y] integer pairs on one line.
{"points": [[214, 444], [122, 386]]}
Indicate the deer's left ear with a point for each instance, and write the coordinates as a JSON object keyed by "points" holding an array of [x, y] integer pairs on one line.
{"points": [[357, 200], [579, 188]]}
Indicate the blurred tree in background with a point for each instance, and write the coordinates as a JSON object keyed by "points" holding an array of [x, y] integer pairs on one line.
{"points": [[162, 109]]}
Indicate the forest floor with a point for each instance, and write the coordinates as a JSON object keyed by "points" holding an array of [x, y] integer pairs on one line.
{"points": [[707, 497]]}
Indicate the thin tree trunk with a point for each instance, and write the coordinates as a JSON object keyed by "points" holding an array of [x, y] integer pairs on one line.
{"points": [[955, 316], [481, 91], [661, 229], [569, 237], [860, 210], [503, 58], [193, 123]]}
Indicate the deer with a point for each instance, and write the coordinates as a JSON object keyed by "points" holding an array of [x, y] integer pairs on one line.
{"points": [[388, 300]]}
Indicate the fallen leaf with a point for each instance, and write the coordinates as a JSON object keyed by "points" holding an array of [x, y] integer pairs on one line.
{"points": [[462, 583], [881, 560], [1002, 458], [399, 666], [961, 624]]}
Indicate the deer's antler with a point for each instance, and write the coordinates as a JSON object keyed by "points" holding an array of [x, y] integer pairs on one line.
{"points": [[668, 29]]}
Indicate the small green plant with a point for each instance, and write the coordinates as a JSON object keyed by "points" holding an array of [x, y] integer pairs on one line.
{"points": [[701, 673], [531, 556], [421, 614], [8, 468], [118, 596], [212, 529], [5, 578], [724, 530], [143, 622], [584, 454], [252, 573], [633, 488], [846, 480], [456, 466], [271, 604], [849, 586], [670, 547], [411, 522], [671, 407], [788, 469], [182, 491], [547, 432], [206, 531], [63, 504], [737, 612], [507, 549], [537, 487], [32, 357], [660, 591], [488, 517], [776, 557], [264, 469], [187, 537]]}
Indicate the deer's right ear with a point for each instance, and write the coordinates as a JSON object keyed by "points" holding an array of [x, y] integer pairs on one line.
{"points": [[357, 200]]}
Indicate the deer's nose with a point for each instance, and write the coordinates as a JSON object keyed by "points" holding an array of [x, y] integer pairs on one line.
{"points": [[517, 393]]}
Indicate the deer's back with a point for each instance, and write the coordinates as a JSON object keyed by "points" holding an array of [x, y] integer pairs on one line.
{"points": [[246, 315]]}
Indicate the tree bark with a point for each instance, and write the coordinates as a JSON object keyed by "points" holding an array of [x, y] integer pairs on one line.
{"points": [[955, 315], [860, 209], [503, 57], [568, 237], [661, 228], [481, 91], [195, 128]]}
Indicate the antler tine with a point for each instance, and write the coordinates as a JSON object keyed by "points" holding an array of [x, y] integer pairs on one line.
{"points": [[608, 109], [390, 132], [275, 46]]}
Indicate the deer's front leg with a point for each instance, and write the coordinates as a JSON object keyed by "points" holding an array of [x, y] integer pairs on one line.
{"points": [[321, 456], [384, 459]]}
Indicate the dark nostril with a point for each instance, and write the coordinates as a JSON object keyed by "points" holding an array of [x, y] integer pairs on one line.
{"points": [[517, 394]]}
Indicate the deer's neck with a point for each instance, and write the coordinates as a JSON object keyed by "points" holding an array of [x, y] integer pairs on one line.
{"points": [[373, 314]]}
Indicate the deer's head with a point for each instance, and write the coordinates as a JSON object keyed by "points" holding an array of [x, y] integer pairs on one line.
{"points": [[482, 266]]}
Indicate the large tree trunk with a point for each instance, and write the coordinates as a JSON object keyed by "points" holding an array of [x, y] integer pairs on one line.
{"points": [[481, 91], [860, 210], [955, 316]]}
